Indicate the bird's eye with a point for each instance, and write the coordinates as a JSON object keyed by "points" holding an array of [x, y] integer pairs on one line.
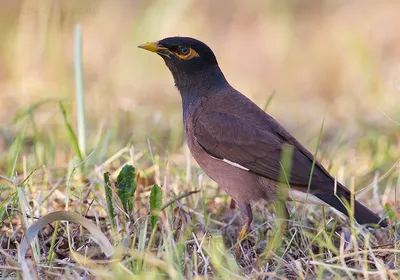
{"points": [[184, 50], [185, 53]]}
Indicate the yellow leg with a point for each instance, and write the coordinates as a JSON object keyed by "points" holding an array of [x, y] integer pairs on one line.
{"points": [[247, 217], [243, 232]]}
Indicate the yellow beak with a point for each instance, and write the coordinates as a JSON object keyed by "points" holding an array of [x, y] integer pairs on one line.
{"points": [[152, 47]]}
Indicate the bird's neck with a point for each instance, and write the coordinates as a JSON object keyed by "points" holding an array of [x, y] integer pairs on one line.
{"points": [[200, 84]]}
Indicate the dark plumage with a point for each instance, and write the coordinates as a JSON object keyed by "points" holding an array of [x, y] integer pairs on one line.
{"points": [[237, 144]]}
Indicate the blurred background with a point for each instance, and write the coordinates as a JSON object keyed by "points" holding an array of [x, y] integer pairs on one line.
{"points": [[336, 61]]}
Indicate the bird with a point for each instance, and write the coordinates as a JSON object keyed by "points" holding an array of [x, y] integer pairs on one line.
{"points": [[240, 146]]}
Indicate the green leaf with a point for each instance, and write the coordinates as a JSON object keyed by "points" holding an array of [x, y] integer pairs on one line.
{"points": [[126, 185], [108, 191], [155, 204]]}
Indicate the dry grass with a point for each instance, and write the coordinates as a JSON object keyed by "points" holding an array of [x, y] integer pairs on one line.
{"points": [[334, 60]]}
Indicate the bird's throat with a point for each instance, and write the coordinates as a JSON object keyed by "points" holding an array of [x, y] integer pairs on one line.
{"points": [[193, 86]]}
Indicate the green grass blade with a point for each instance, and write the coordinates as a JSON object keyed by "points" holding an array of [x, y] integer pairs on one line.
{"points": [[155, 203], [80, 98], [26, 111], [269, 100], [71, 133], [108, 192], [313, 164]]}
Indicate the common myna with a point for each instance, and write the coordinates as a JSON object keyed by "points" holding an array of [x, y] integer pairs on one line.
{"points": [[240, 146]]}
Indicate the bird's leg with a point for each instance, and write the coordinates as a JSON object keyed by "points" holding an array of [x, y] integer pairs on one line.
{"points": [[247, 217], [232, 205]]}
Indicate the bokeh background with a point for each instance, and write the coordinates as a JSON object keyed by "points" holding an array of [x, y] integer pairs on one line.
{"points": [[336, 61]]}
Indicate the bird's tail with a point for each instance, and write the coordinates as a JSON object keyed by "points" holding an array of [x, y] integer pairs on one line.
{"points": [[361, 213]]}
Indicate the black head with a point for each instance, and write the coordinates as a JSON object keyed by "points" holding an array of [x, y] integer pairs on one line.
{"points": [[191, 61], [183, 53]]}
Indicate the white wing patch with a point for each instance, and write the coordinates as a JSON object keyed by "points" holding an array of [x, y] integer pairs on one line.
{"points": [[235, 164]]}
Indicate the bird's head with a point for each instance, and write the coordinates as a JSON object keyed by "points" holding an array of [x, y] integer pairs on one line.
{"points": [[190, 60]]}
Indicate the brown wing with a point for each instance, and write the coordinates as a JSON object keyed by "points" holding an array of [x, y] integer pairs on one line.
{"points": [[239, 140]]}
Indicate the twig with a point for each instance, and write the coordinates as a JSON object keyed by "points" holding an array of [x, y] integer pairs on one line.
{"points": [[186, 194], [6, 179]]}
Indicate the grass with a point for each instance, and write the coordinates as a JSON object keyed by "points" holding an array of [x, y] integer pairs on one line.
{"points": [[55, 154], [192, 234]]}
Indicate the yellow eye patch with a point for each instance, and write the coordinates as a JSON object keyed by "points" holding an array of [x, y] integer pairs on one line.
{"points": [[191, 54]]}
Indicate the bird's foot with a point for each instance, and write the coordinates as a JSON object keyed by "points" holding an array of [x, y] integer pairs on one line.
{"points": [[243, 243]]}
